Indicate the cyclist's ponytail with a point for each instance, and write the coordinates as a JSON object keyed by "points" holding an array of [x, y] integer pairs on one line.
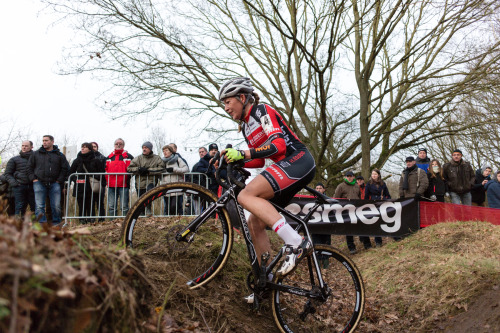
{"points": [[256, 98]]}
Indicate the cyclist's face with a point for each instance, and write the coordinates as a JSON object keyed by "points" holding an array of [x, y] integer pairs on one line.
{"points": [[233, 107]]}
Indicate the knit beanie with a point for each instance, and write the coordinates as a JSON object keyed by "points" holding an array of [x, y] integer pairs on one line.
{"points": [[148, 144]]}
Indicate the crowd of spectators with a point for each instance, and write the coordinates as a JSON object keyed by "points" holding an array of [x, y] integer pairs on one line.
{"points": [[36, 179], [424, 179]]}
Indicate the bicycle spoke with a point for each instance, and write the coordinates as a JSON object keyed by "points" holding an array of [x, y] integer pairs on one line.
{"points": [[339, 310]]}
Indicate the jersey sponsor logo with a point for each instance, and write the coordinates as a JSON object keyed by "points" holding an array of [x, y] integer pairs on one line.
{"points": [[263, 148], [267, 125], [254, 139], [296, 157], [276, 172]]}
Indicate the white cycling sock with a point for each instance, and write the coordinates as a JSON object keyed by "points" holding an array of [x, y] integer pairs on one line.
{"points": [[287, 233]]}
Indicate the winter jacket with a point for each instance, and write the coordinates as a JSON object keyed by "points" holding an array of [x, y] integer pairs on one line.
{"points": [[375, 191], [48, 166], [203, 166], [17, 169], [347, 191], [417, 183], [459, 176], [437, 186], [478, 190], [362, 192], [118, 161], [423, 163], [155, 167], [92, 165], [493, 193], [180, 168]]}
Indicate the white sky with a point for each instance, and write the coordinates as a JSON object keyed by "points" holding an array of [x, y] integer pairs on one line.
{"points": [[35, 97]]}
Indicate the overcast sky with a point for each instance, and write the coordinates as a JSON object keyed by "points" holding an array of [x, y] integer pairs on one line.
{"points": [[35, 97]]}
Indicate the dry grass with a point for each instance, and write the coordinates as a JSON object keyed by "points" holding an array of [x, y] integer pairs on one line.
{"points": [[412, 285]]}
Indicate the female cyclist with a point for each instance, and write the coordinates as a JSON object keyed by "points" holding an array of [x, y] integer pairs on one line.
{"points": [[268, 136]]}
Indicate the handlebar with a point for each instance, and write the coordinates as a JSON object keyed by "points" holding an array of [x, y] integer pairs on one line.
{"points": [[231, 168]]}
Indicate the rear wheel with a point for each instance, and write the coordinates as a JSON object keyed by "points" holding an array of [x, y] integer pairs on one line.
{"points": [[339, 311], [197, 261]]}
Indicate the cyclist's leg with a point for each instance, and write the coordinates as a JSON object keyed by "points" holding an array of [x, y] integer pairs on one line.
{"points": [[254, 199], [260, 238]]}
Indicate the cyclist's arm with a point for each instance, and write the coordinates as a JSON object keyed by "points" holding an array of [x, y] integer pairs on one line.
{"points": [[255, 163]]}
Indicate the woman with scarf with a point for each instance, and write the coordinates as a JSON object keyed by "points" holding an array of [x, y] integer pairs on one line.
{"points": [[376, 189], [437, 184], [176, 168], [85, 162]]}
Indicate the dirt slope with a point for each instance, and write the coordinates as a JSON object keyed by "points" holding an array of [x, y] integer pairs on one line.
{"points": [[443, 279]]}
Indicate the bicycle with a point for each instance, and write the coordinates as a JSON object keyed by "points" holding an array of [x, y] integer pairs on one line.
{"points": [[325, 292]]}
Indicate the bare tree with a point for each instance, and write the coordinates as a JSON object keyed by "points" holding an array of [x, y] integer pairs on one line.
{"points": [[356, 81], [11, 137], [158, 137]]}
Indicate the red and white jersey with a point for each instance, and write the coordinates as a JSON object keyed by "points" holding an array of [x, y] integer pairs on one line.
{"points": [[268, 136]]}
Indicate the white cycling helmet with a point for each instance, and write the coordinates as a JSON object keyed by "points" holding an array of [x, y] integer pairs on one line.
{"points": [[235, 87]]}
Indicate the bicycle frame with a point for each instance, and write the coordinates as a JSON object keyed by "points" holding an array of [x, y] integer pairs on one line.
{"points": [[260, 271]]}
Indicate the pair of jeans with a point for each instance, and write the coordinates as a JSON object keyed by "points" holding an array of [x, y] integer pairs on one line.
{"points": [[24, 195], [53, 190], [113, 194], [141, 191], [461, 198]]}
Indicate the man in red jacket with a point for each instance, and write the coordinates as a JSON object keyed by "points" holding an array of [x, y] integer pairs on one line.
{"points": [[118, 183]]}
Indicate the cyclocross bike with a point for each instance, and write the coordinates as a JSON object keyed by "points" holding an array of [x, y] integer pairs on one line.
{"points": [[325, 293]]}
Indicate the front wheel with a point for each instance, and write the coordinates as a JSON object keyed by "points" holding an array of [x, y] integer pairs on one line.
{"points": [[341, 307], [202, 254]]}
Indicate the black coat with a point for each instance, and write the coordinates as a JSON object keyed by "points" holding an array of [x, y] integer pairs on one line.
{"points": [[375, 191], [478, 191], [92, 164], [437, 186], [17, 169], [48, 166]]}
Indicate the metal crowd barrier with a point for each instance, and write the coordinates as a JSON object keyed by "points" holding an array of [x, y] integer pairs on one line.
{"points": [[114, 202]]}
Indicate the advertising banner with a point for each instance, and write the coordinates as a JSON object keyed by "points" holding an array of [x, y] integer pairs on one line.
{"points": [[393, 218]]}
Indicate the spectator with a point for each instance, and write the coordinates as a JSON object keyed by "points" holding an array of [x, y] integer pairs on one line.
{"points": [[376, 189], [174, 147], [118, 185], [348, 189], [437, 187], [422, 159], [147, 168], [493, 191], [99, 201], [176, 167], [16, 173], [319, 238], [85, 162], [47, 169], [459, 176], [203, 166], [197, 179], [6, 192], [413, 182], [362, 186], [478, 191]]}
